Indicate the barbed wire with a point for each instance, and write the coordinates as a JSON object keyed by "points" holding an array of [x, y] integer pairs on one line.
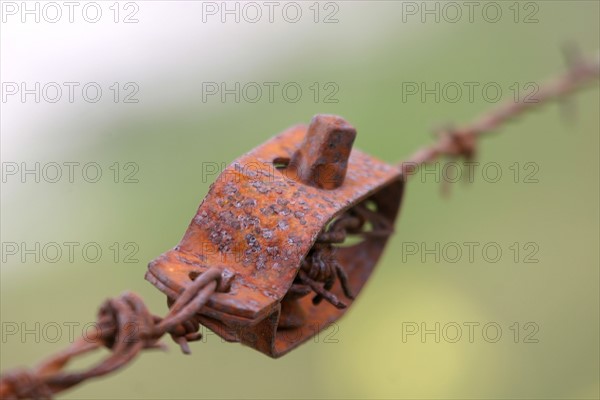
{"points": [[126, 326], [461, 142]]}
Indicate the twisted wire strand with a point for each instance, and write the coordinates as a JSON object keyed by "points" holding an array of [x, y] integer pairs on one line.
{"points": [[125, 327], [457, 143]]}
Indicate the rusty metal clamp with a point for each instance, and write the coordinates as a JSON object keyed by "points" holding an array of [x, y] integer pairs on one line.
{"points": [[278, 222]]}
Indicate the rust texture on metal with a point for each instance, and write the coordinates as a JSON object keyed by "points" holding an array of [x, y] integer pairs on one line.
{"points": [[272, 221], [124, 326], [322, 158], [271, 231]]}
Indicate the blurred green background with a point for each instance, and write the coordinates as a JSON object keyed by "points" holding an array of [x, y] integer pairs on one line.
{"points": [[369, 53]]}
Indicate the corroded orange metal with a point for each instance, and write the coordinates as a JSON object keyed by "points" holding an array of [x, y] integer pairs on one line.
{"points": [[263, 216], [322, 158]]}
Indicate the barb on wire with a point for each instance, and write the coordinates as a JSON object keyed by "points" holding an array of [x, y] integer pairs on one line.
{"points": [[125, 327], [461, 142]]}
